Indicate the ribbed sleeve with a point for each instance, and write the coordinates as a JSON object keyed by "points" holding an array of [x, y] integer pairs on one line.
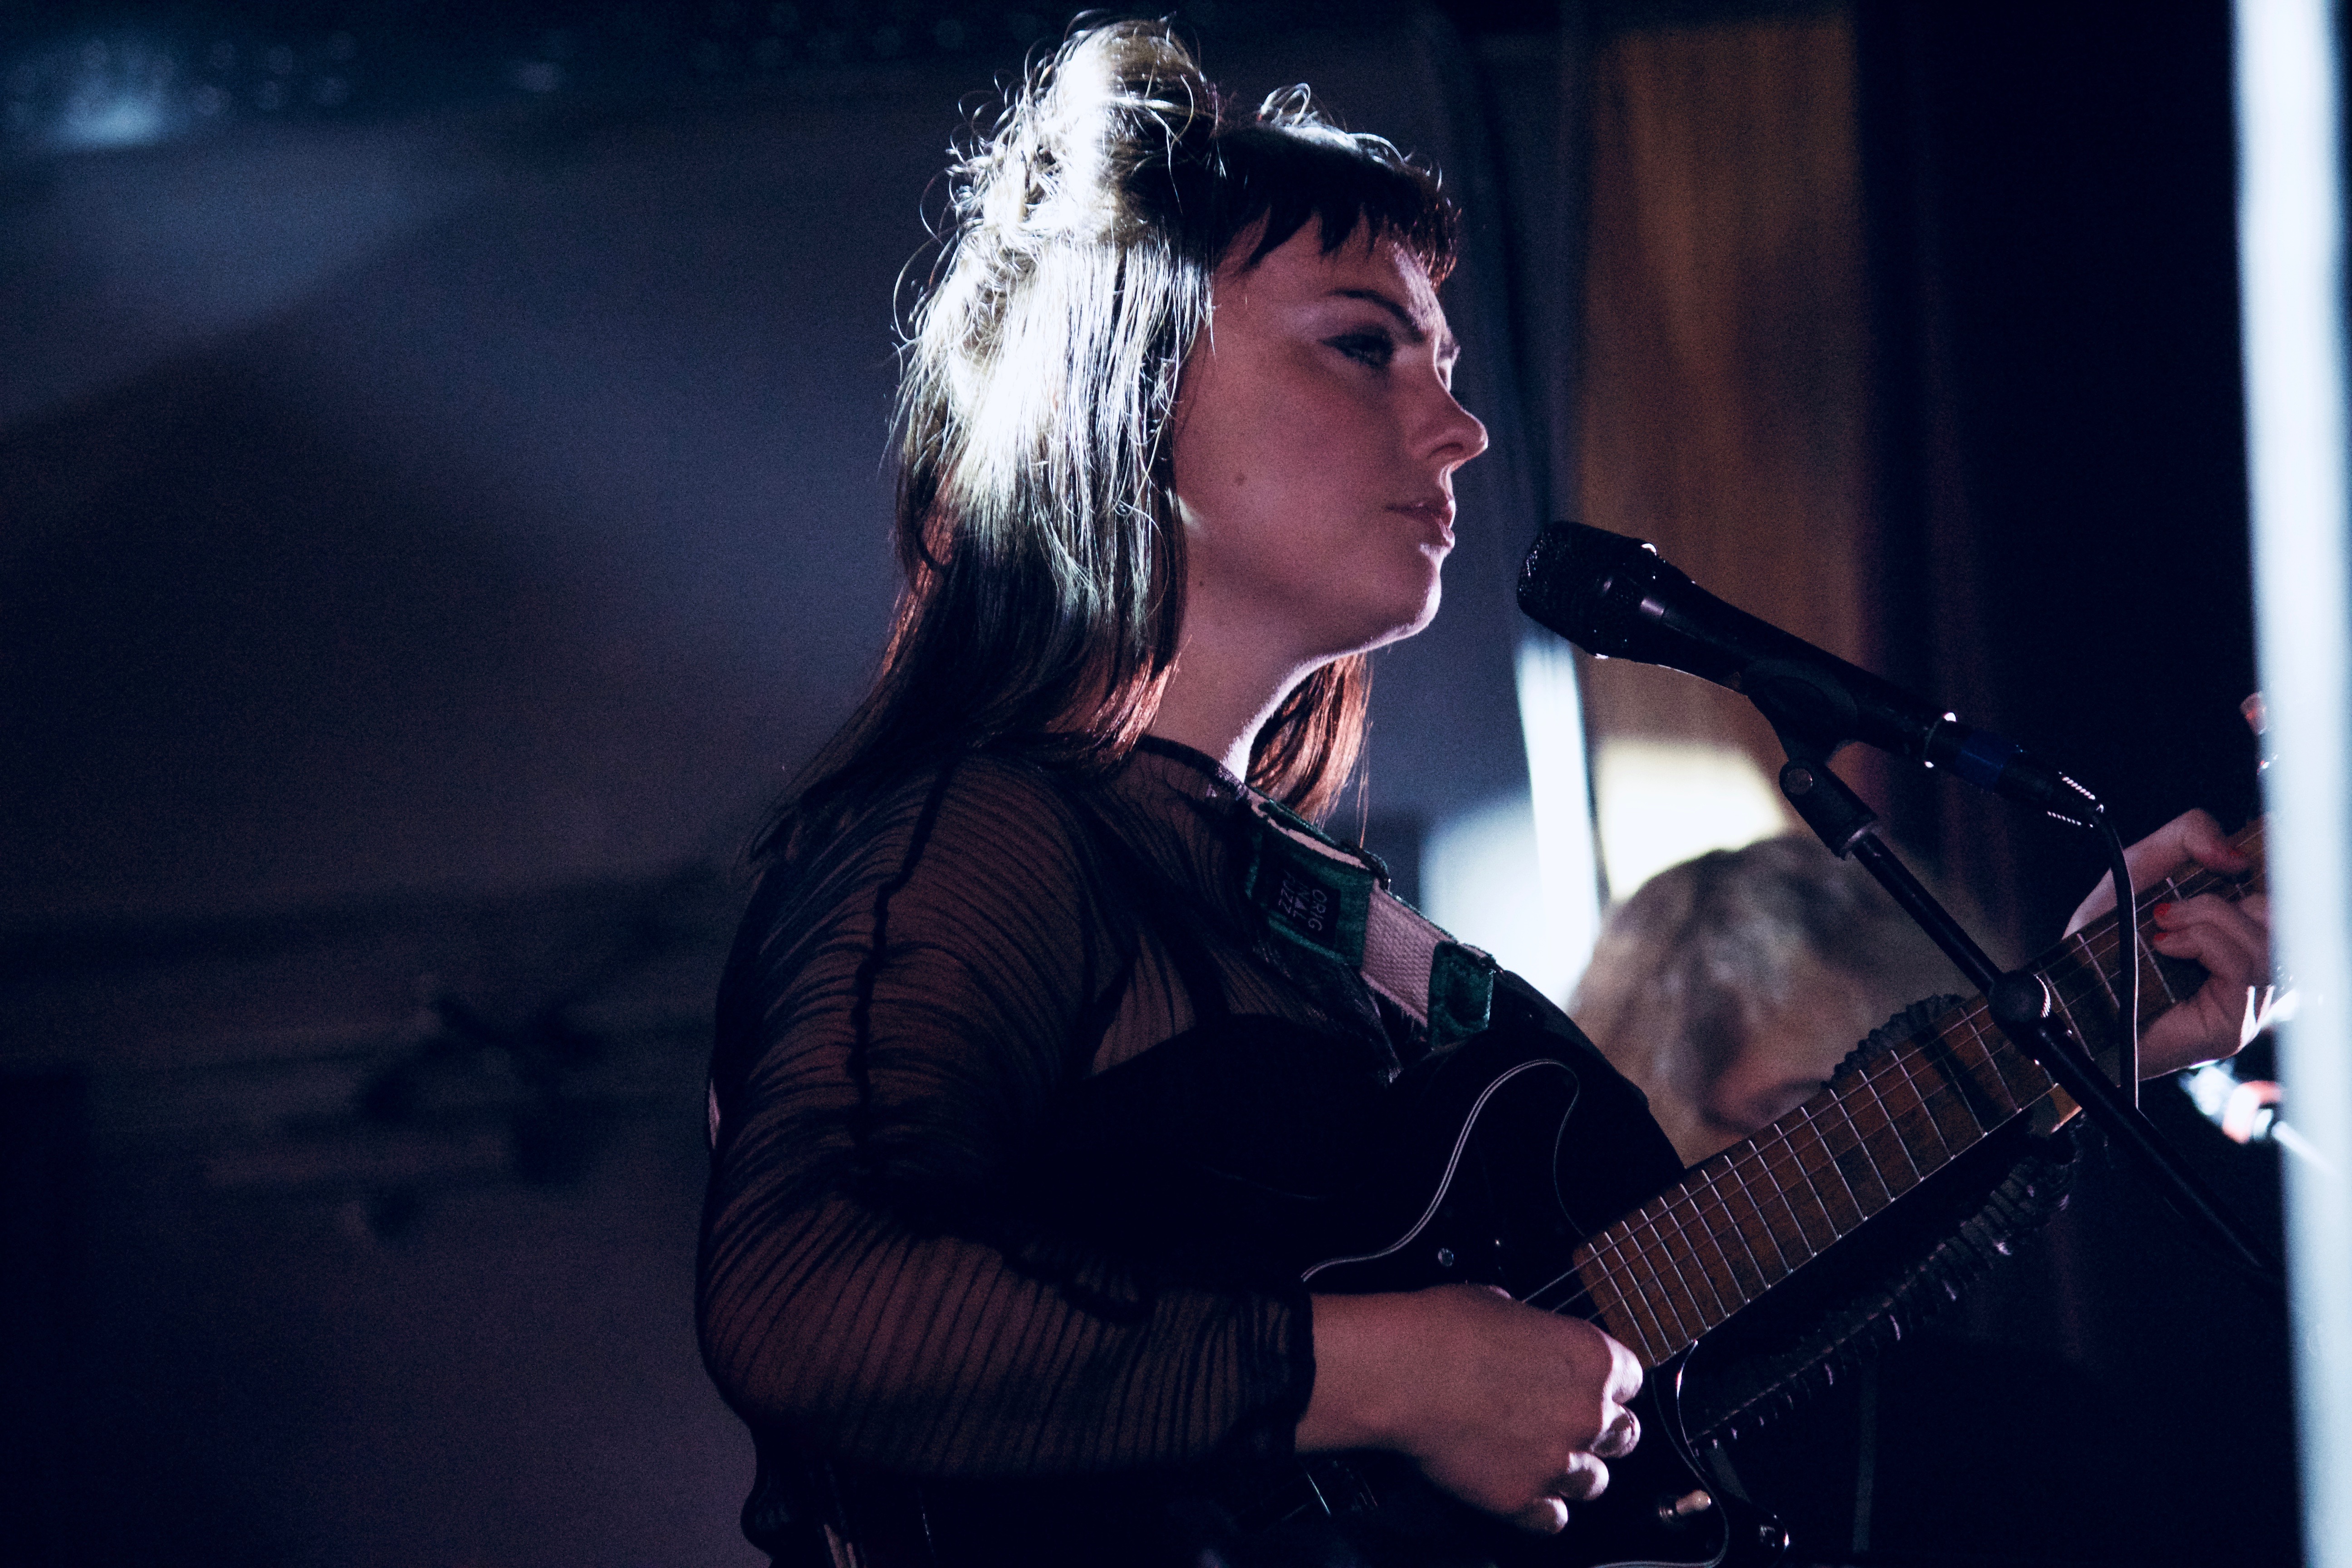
{"points": [[903, 1008]]}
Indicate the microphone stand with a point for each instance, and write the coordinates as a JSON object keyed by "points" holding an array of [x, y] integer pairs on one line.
{"points": [[2019, 1001]]}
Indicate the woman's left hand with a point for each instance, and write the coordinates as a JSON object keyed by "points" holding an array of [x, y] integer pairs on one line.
{"points": [[2232, 938]]}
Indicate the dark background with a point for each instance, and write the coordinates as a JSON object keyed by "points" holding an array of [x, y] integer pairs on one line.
{"points": [[441, 497]]}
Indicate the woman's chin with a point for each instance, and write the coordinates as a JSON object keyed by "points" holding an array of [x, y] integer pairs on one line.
{"points": [[1404, 619], [1424, 605]]}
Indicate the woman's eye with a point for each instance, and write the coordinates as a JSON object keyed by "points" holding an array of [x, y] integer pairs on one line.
{"points": [[1374, 349]]}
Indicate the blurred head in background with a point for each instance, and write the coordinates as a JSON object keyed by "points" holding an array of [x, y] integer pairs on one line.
{"points": [[1730, 987]]}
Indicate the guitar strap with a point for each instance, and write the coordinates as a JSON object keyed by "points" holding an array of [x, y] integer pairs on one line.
{"points": [[1334, 899]]}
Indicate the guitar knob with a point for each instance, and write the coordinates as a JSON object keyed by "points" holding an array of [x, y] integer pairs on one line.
{"points": [[1445, 1257]]}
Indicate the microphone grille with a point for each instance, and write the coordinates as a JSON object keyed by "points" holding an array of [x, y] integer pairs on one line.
{"points": [[1573, 582]]}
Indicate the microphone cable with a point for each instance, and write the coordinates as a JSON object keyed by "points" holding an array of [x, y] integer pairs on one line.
{"points": [[2127, 950]]}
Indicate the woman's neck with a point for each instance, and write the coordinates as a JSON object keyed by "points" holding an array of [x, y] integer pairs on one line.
{"points": [[1217, 705]]}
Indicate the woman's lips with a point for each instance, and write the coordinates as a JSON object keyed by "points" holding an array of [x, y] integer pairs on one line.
{"points": [[1437, 512]]}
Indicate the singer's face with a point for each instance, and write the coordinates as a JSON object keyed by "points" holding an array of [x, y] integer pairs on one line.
{"points": [[1315, 440]]}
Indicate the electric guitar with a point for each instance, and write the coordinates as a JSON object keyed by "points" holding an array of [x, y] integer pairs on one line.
{"points": [[1729, 1236], [1519, 1158]]}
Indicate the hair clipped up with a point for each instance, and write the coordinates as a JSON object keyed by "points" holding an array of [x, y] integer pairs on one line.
{"points": [[1065, 149], [1036, 519]]}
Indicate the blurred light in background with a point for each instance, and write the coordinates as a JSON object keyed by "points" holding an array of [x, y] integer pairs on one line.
{"points": [[1479, 880], [1522, 877], [1662, 802], [65, 88], [2291, 278], [1551, 719], [107, 92]]}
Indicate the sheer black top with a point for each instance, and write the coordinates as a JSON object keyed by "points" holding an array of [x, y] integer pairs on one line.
{"points": [[909, 1008]]}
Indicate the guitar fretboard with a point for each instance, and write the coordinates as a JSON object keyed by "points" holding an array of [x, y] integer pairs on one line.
{"points": [[1746, 1218]]}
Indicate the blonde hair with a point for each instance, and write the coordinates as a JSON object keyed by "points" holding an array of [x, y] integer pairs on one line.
{"points": [[1037, 530], [1685, 969]]}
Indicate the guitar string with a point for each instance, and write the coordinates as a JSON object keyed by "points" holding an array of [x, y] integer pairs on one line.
{"points": [[1766, 1157], [1764, 1148], [1705, 1183], [1970, 1015], [1636, 1259], [1762, 1154], [1764, 1151], [2105, 926]]}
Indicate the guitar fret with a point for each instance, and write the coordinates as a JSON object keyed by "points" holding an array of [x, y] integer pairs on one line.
{"points": [[1803, 1191], [2096, 993], [1697, 1319], [1620, 1261], [1687, 1249], [1758, 1218], [1640, 1306], [2156, 959], [1772, 1171], [1755, 1281], [2090, 961], [1957, 1096], [1998, 1061], [1944, 1104], [1870, 1081], [1692, 1221], [1829, 1160], [1740, 1294], [1640, 1334], [1859, 1152], [2144, 954], [2058, 995], [2174, 893], [1765, 1224], [1612, 1313], [1706, 1305], [1663, 1293], [2096, 1003], [2022, 1077], [1942, 1156], [1626, 1327]]}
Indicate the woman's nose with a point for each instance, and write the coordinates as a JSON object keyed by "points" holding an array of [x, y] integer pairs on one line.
{"points": [[1459, 434]]}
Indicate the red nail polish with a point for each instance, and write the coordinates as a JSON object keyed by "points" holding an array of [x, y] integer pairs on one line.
{"points": [[2162, 912]]}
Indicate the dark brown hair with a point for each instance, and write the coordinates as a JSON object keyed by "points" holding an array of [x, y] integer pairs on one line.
{"points": [[1037, 530]]}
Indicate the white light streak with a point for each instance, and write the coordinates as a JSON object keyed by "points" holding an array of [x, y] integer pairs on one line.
{"points": [[2290, 277], [1551, 719], [1479, 880]]}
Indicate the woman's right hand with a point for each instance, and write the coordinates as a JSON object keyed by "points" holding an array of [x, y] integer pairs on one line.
{"points": [[1511, 1409]]}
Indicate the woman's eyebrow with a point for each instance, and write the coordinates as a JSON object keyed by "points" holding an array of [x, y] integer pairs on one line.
{"points": [[1450, 348]]}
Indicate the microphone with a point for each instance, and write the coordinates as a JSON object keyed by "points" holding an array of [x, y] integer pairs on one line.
{"points": [[1616, 597]]}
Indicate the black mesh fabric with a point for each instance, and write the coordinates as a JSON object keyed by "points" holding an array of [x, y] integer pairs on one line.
{"points": [[907, 1005]]}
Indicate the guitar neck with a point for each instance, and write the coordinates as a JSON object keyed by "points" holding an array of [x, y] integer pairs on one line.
{"points": [[1747, 1217]]}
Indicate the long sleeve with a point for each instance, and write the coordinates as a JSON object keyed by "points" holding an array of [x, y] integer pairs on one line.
{"points": [[901, 1010]]}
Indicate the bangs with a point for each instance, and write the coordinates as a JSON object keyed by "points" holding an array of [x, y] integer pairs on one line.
{"points": [[1288, 176]]}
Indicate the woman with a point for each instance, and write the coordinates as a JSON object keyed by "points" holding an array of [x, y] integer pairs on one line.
{"points": [[1177, 450]]}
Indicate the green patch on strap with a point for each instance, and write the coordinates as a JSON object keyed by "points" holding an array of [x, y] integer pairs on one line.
{"points": [[1319, 902], [1461, 993]]}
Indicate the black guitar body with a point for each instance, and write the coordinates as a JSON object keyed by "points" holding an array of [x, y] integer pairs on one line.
{"points": [[1519, 1145], [1251, 1151]]}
